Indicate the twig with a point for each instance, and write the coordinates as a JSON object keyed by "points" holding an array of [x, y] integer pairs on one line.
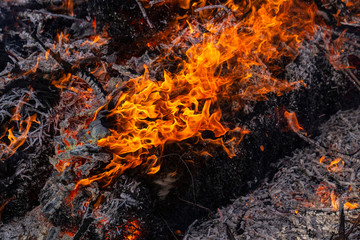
{"points": [[350, 24], [59, 15], [325, 149], [195, 204], [188, 229], [167, 225], [342, 220], [356, 222], [226, 9], [144, 13], [86, 76], [229, 234], [352, 77], [153, 2]]}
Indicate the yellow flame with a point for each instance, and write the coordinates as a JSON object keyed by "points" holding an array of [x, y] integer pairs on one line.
{"points": [[218, 69]]}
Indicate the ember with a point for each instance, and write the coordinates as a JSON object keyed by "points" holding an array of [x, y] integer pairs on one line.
{"points": [[129, 119]]}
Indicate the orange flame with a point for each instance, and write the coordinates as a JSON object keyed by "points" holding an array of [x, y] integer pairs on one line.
{"points": [[16, 142], [292, 121], [349, 205], [323, 192], [221, 67], [69, 6], [336, 165], [334, 200]]}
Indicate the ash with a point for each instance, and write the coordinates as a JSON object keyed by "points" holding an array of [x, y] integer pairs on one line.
{"points": [[296, 202]]}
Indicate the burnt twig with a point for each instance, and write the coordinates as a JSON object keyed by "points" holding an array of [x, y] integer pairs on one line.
{"points": [[86, 221], [86, 76], [56, 15], [229, 234], [325, 149], [226, 9], [342, 220], [356, 222], [153, 2], [352, 77], [144, 14]]}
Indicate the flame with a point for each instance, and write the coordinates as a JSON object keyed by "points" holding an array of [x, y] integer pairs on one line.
{"points": [[233, 61], [327, 196], [292, 121], [334, 200], [349, 205], [8, 150], [323, 192], [335, 165], [33, 69], [334, 49], [69, 6], [128, 231], [97, 40]]}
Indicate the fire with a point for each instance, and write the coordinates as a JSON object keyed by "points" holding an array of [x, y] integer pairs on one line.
{"points": [[128, 231], [2, 206], [292, 121], [132, 230], [18, 139], [69, 6], [335, 165], [349, 205], [334, 200], [224, 65], [323, 192], [327, 196]]}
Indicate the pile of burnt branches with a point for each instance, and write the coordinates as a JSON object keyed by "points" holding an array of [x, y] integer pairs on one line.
{"points": [[62, 72]]}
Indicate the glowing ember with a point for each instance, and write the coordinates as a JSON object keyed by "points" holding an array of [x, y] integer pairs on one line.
{"points": [[221, 67], [323, 192], [128, 231]]}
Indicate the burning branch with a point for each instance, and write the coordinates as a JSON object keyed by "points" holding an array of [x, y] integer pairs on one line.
{"points": [[226, 9]]}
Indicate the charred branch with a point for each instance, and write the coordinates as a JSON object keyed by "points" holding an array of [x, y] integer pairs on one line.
{"points": [[85, 75]]}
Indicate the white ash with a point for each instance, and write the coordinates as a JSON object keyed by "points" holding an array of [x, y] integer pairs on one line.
{"points": [[287, 207], [26, 228]]}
